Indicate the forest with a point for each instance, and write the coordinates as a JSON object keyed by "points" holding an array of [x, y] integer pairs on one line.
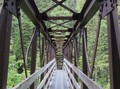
{"points": [[16, 71]]}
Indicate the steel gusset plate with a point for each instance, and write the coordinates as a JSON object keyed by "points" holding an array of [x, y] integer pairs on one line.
{"points": [[107, 7], [12, 6]]}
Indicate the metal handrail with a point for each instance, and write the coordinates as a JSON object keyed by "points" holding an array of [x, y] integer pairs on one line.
{"points": [[71, 77], [28, 81], [46, 77], [85, 79]]}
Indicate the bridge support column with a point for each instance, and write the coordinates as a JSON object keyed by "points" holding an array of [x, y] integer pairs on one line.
{"points": [[114, 48], [69, 53], [71, 48], [33, 58], [47, 49], [5, 26], [75, 56], [42, 59], [84, 62]]}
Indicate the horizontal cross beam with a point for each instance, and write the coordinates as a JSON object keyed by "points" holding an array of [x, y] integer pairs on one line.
{"points": [[59, 36], [64, 30], [59, 31], [60, 18]]}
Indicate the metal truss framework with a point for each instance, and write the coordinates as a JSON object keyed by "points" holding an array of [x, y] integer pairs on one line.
{"points": [[60, 47]]}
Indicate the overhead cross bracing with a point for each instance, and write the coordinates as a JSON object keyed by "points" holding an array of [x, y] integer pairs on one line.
{"points": [[60, 21], [61, 39]]}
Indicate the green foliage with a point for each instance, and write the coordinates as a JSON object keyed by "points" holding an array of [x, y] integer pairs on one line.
{"points": [[16, 71], [13, 77]]}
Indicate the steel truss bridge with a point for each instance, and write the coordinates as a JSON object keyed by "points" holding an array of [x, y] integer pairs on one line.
{"points": [[60, 54]]}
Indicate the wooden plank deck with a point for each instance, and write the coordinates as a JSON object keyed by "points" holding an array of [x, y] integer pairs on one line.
{"points": [[59, 80]]}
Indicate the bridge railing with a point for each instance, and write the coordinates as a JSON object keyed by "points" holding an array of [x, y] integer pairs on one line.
{"points": [[30, 80], [85, 79]]}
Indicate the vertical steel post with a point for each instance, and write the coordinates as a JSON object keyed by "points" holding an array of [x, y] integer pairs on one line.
{"points": [[73, 61], [66, 52], [69, 52], [114, 48], [33, 58], [63, 51], [5, 26], [42, 59], [50, 53], [75, 56], [47, 47], [71, 49], [84, 62]]}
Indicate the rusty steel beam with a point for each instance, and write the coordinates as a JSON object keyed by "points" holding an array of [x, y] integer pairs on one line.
{"points": [[33, 58], [65, 7], [57, 4], [59, 31], [59, 24], [47, 51], [89, 12], [114, 48], [50, 53], [56, 30], [60, 18], [59, 43], [59, 37], [95, 45], [84, 48], [59, 40], [42, 59], [84, 56], [5, 32], [30, 9], [71, 51], [75, 55], [59, 46]]}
